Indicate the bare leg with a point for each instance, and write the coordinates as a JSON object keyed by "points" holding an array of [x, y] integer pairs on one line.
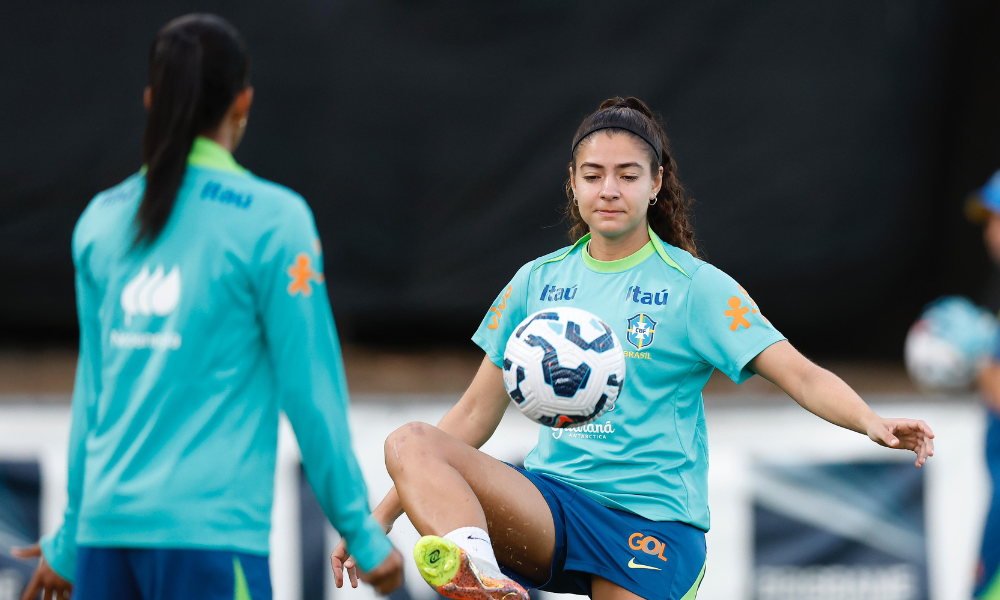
{"points": [[602, 589], [445, 484]]}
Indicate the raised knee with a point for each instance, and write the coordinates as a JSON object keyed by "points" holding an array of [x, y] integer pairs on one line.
{"points": [[406, 443]]}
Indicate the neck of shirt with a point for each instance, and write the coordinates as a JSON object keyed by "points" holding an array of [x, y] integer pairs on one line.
{"points": [[622, 264], [211, 155]]}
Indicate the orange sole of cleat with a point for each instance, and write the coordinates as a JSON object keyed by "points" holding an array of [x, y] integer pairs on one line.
{"points": [[467, 583]]}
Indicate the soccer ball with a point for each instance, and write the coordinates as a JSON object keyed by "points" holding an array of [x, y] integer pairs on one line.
{"points": [[950, 343], [563, 367]]}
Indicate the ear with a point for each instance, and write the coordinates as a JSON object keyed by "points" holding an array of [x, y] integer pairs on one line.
{"points": [[658, 181], [241, 105], [572, 180], [147, 98]]}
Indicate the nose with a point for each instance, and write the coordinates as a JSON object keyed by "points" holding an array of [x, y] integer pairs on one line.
{"points": [[610, 189]]}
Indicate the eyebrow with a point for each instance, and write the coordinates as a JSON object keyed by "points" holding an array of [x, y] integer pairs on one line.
{"points": [[621, 166]]}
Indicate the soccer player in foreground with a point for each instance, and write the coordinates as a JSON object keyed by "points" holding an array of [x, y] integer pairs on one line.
{"points": [[621, 512], [202, 312]]}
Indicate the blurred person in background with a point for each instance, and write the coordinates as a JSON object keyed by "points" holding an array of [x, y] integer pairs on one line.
{"points": [[620, 516], [202, 313], [985, 208]]}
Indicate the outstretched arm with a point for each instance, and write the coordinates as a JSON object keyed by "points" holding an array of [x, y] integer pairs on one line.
{"points": [[827, 396]]}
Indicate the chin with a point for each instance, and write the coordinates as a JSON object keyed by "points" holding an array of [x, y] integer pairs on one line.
{"points": [[610, 230]]}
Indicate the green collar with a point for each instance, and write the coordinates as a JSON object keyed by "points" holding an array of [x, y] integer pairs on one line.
{"points": [[210, 155], [617, 266]]}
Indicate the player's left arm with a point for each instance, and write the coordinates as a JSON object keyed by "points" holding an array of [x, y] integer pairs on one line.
{"points": [[827, 396], [57, 551]]}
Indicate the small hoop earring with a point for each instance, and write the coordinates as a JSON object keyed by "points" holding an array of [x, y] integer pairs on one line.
{"points": [[575, 201], [653, 200]]}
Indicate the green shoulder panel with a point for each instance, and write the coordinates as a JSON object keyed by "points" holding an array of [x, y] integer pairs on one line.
{"points": [[658, 246], [582, 240]]}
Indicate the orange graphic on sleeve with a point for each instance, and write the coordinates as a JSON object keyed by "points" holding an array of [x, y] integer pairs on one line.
{"points": [[753, 305], [302, 275], [499, 308], [736, 311]]}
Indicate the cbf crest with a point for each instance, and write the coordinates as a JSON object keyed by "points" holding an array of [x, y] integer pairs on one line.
{"points": [[640, 331]]}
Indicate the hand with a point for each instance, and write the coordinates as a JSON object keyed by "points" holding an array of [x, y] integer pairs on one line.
{"points": [[340, 561], [903, 434], [45, 579], [387, 576]]}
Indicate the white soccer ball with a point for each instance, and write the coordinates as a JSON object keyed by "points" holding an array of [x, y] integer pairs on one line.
{"points": [[563, 367], [950, 343]]}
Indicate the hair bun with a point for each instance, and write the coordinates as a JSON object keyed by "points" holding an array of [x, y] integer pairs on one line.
{"points": [[629, 102], [636, 104]]}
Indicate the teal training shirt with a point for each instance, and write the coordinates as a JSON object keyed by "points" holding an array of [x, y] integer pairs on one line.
{"points": [[678, 319], [188, 349]]}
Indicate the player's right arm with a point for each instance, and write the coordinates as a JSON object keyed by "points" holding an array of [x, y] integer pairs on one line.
{"points": [[305, 352], [478, 412]]}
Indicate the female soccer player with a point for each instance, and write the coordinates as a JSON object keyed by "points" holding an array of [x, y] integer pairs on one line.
{"points": [[202, 313], [623, 513]]}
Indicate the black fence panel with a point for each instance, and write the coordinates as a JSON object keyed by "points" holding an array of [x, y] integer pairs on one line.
{"points": [[829, 145]]}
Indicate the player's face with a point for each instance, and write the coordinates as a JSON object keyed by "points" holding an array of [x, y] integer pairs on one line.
{"points": [[613, 183]]}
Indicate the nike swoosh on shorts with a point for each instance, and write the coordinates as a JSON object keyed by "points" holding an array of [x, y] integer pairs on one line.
{"points": [[634, 565]]}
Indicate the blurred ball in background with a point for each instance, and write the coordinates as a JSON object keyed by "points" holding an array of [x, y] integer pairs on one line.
{"points": [[950, 344]]}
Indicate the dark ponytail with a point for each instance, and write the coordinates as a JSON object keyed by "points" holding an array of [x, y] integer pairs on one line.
{"points": [[197, 65], [669, 216]]}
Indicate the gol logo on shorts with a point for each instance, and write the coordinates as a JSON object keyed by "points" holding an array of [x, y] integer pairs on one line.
{"points": [[648, 544]]}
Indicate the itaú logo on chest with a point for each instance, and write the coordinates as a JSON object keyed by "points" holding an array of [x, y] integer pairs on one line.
{"points": [[155, 293]]}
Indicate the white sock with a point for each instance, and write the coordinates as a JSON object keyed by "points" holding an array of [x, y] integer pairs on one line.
{"points": [[476, 544]]}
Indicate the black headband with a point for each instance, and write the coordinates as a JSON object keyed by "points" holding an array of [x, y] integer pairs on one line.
{"points": [[659, 157]]}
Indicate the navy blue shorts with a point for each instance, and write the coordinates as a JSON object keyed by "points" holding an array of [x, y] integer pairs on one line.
{"points": [[170, 574], [652, 559], [988, 575]]}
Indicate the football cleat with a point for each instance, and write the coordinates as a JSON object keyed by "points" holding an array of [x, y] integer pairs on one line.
{"points": [[451, 571]]}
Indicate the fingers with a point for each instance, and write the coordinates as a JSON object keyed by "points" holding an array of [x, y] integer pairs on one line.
{"points": [[352, 571], [338, 574], [926, 451], [921, 451], [884, 435], [340, 561], [33, 551], [33, 586]]}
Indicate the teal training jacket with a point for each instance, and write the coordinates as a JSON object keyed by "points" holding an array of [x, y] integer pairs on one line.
{"points": [[189, 347]]}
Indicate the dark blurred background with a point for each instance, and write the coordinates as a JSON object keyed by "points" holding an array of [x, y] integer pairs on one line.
{"points": [[829, 146]]}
